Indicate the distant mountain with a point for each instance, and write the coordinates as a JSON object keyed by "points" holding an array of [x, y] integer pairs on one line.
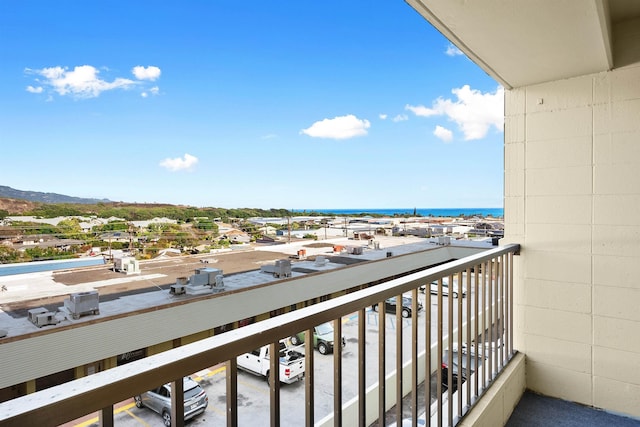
{"points": [[36, 196]]}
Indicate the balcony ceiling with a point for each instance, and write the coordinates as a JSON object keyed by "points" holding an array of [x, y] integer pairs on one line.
{"points": [[524, 42]]}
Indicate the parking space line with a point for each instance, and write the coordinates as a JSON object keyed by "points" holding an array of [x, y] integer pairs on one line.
{"points": [[251, 386], [137, 418], [206, 373], [115, 412]]}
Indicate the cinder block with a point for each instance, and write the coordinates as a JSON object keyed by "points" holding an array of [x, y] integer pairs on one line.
{"points": [[566, 209], [616, 396], [562, 325], [558, 382], [565, 296], [559, 353], [617, 334], [558, 125], [617, 365], [559, 181]]}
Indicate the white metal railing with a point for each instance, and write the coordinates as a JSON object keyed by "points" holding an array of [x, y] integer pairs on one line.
{"points": [[482, 320]]}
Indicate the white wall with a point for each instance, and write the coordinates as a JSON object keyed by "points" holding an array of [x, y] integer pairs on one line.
{"points": [[572, 199]]}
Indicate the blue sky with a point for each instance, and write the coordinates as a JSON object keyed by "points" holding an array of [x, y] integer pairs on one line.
{"points": [[295, 105]]}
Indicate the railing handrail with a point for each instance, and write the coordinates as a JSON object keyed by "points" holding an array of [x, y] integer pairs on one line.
{"points": [[60, 403]]}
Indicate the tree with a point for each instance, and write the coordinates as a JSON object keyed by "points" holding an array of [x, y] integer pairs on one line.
{"points": [[8, 255], [70, 229]]}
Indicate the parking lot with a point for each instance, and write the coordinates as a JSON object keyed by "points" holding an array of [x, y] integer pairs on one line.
{"points": [[253, 391]]}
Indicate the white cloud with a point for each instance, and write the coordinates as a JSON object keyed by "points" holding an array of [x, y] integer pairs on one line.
{"points": [[146, 73], [32, 89], [342, 127], [400, 118], [453, 51], [421, 110], [178, 164], [474, 112], [382, 116], [153, 91], [443, 133], [81, 82], [269, 136]]}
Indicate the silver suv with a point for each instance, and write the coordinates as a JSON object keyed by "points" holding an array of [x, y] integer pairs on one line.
{"points": [[159, 400]]}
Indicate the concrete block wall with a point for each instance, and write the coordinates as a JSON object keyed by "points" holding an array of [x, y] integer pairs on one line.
{"points": [[572, 200]]}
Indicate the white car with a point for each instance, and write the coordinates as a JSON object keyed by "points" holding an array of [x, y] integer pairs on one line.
{"points": [[445, 289]]}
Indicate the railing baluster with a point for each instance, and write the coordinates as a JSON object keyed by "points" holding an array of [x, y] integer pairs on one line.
{"points": [[337, 372], [439, 354], [481, 348], [309, 378], [232, 392], [399, 357], [414, 357], [362, 368], [427, 344], [468, 355], [274, 382], [511, 304], [499, 330], [490, 346], [496, 316], [460, 335], [382, 361], [450, 348], [476, 315], [503, 308], [177, 403], [507, 310], [105, 417]]}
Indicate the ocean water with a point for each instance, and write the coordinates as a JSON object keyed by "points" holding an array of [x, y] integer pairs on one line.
{"points": [[440, 212]]}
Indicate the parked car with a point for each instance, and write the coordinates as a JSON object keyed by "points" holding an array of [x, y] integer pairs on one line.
{"points": [[159, 400], [445, 289], [322, 338], [466, 371], [390, 306]]}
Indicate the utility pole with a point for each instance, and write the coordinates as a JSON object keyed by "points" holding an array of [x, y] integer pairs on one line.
{"points": [[289, 228], [130, 230]]}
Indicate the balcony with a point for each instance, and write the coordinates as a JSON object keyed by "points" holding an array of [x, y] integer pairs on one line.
{"points": [[481, 322]]}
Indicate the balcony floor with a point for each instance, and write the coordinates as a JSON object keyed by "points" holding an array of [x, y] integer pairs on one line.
{"points": [[535, 410]]}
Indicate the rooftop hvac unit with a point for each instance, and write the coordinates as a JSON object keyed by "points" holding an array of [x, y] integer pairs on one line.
{"points": [[357, 250], [177, 289], [199, 279], [283, 268], [206, 276], [219, 281], [82, 303], [42, 317], [320, 260]]}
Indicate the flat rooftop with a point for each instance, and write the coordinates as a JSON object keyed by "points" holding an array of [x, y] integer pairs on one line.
{"points": [[120, 293]]}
